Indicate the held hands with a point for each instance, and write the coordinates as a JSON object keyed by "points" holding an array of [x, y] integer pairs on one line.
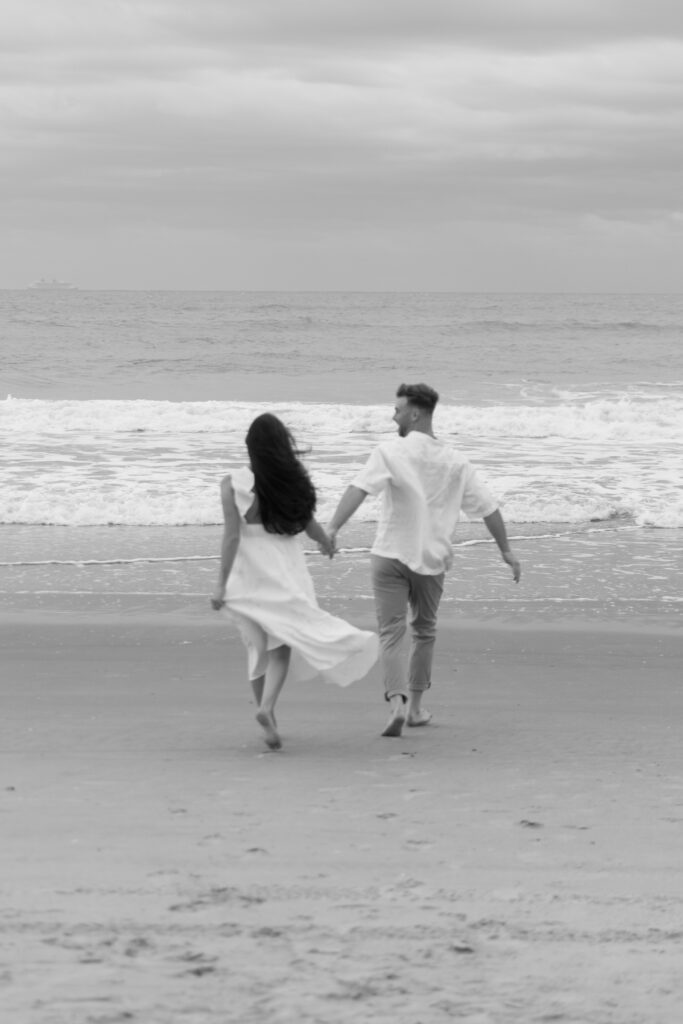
{"points": [[514, 565], [328, 544]]}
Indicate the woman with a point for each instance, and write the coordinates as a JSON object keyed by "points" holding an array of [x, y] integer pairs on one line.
{"points": [[264, 583]]}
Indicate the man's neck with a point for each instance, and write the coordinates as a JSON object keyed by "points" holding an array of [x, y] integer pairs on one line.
{"points": [[422, 428]]}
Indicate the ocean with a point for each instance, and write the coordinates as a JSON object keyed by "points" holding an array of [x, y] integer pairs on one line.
{"points": [[121, 411]]}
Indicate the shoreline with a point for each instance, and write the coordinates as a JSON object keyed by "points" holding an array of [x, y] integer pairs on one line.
{"points": [[606, 576]]}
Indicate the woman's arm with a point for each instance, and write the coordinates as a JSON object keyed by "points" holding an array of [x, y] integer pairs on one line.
{"points": [[230, 542], [315, 531]]}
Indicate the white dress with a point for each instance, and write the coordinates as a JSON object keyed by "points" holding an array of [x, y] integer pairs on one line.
{"points": [[271, 599]]}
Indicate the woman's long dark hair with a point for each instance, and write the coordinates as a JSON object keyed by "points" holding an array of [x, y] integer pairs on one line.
{"points": [[285, 493]]}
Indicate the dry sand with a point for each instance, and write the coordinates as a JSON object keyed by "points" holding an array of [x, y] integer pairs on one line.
{"points": [[519, 860]]}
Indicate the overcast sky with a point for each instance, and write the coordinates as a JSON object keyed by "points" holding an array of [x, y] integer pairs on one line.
{"points": [[343, 144]]}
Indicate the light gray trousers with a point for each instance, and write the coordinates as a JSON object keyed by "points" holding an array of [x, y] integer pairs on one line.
{"points": [[397, 589]]}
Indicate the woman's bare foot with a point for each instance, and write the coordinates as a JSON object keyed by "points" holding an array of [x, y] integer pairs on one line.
{"points": [[266, 720]]}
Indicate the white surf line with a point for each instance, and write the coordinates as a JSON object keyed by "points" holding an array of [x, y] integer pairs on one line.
{"points": [[517, 601], [81, 562], [550, 536], [113, 561]]}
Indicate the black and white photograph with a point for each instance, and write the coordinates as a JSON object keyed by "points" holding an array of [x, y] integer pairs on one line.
{"points": [[341, 512]]}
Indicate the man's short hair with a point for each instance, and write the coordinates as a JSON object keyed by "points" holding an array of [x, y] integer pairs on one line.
{"points": [[420, 395]]}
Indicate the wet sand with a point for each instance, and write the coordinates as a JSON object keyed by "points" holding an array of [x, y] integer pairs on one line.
{"points": [[518, 860]]}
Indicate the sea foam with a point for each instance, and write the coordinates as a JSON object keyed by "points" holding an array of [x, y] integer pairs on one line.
{"points": [[159, 462]]}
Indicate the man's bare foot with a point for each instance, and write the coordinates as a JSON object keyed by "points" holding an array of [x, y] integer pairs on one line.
{"points": [[267, 722], [420, 717], [394, 726]]}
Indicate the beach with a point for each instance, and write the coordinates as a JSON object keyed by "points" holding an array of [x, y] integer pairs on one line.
{"points": [[516, 860]]}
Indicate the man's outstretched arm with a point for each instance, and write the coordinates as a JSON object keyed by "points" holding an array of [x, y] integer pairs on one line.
{"points": [[352, 498], [496, 527]]}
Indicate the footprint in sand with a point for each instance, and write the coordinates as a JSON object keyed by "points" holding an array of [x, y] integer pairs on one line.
{"points": [[211, 840], [201, 964], [111, 1018], [217, 897], [137, 946]]}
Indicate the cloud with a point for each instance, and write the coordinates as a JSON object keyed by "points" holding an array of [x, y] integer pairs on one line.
{"points": [[328, 117], [524, 25]]}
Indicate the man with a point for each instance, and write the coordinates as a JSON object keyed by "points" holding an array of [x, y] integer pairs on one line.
{"points": [[424, 484]]}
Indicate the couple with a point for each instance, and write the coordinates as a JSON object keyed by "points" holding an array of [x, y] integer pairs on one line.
{"points": [[264, 582]]}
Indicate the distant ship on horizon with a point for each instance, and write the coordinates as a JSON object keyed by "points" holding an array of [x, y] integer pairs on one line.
{"points": [[53, 285]]}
